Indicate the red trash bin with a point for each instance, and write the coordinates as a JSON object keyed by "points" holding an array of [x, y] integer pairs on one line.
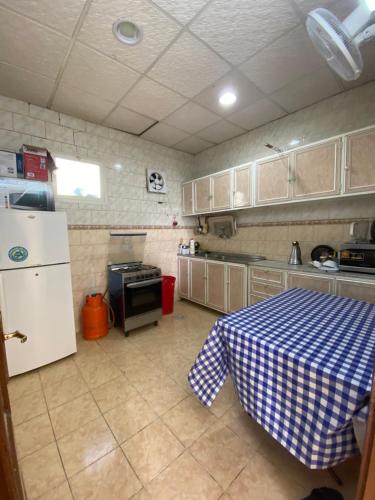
{"points": [[167, 294]]}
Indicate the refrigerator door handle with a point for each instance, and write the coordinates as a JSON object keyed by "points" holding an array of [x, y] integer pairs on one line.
{"points": [[16, 334]]}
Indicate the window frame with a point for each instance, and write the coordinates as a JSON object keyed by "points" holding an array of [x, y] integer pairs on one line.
{"points": [[79, 198]]}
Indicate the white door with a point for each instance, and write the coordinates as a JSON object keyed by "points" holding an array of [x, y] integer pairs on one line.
{"points": [[37, 302], [30, 239]]}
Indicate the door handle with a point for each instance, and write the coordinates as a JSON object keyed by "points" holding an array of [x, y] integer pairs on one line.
{"points": [[16, 335]]}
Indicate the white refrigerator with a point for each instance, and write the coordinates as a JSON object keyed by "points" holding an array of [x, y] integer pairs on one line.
{"points": [[35, 288]]}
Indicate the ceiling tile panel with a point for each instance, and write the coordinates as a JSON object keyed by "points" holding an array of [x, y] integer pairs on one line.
{"points": [[152, 99], [90, 71], [158, 31], [220, 132], [193, 145], [29, 45], [289, 58], [238, 29], [182, 10], [235, 82], [307, 90], [368, 73], [22, 84], [188, 66], [164, 134], [257, 114], [61, 15], [128, 121], [191, 118], [78, 103], [339, 7]]}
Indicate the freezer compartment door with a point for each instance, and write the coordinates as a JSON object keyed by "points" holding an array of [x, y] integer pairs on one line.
{"points": [[37, 302], [32, 239]]}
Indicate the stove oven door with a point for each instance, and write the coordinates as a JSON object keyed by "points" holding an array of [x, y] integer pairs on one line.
{"points": [[142, 297]]}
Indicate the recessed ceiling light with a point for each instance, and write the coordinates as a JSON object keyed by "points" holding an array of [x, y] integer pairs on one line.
{"points": [[127, 32], [227, 99]]}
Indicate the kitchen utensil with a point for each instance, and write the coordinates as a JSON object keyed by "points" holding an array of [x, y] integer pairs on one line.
{"points": [[199, 228], [295, 255], [197, 245], [205, 226], [322, 252], [359, 231]]}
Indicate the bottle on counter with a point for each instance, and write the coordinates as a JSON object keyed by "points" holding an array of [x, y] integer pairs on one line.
{"points": [[192, 247]]}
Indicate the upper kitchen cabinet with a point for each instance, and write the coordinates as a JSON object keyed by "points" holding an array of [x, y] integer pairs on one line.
{"points": [[242, 186], [187, 198], [221, 190], [360, 162], [202, 194], [273, 180], [316, 170]]}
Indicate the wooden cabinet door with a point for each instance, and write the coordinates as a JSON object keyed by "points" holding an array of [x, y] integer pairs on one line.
{"points": [[216, 285], [183, 277], [198, 280], [187, 198], [273, 180], [236, 287], [360, 162], [202, 194], [317, 170], [356, 289], [311, 282], [221, 190], [242, 187]]}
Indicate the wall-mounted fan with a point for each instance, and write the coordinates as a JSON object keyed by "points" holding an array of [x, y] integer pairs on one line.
{"points": [[340, 42], [156, 181]]}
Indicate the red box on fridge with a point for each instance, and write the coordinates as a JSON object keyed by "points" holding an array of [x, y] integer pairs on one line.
{"points": [[35, 163]]}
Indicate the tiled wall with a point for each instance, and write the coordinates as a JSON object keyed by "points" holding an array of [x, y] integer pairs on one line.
{"points": [[124, 159]]}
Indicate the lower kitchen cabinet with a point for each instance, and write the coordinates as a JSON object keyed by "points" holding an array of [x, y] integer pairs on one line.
{"points": [[183, 277], [356, 289], [311, 282], [218, 285], [236, 287], [264, 283], [198, 280]]}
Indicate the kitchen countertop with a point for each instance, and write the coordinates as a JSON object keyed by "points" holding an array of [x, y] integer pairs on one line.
{"points": [[275, 264]]}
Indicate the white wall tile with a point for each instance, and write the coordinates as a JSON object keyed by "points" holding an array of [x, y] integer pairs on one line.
{"points": [[29, 125], [72, 122], [59, 133], [44, 114], [9, 104], [6, 120]]}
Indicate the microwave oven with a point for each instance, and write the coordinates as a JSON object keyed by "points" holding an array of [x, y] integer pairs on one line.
{"points": [[22, 194], [358, 257]]}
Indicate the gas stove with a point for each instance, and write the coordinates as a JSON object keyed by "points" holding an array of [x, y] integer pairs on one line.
{"points": [[135, 271]]}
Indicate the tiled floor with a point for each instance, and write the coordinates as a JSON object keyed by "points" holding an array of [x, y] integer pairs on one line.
{"points": [[118, 420]]}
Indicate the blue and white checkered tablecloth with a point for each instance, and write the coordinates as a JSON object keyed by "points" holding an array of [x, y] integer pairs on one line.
{"points": [[301, 363]]}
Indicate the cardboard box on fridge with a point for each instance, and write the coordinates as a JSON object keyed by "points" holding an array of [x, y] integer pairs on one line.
{"points": [[11, 164], [35, 163]]}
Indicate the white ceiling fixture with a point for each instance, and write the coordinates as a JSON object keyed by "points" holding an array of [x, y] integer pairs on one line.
{"points": [[340, 42], [227, 99], [127, 32]]}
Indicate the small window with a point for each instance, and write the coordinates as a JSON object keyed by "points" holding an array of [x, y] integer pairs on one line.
{"points": [[77, 178]]}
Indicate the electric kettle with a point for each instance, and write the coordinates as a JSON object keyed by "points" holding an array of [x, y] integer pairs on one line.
{"points": [[295, 254]]}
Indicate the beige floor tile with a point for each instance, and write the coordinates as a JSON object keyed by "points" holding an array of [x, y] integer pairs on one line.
{"points": [[222, 454], [142, 495], [74, 414], [161, 393], [28, 406], [92, 354], [99, 374], [110, 478], [114, 343], [61, 492], [188, 420], [246, 428], [23, 385], [131, 360], [85, 445], [151, 450], [33, 435], [184, 479], [64, 391], [129, 417], [42, 471], [225, 399], [113, 393], [57, 371], [262, 481]]}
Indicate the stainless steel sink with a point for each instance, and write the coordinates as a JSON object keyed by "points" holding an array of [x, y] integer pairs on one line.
{"points": [[229, 257]]}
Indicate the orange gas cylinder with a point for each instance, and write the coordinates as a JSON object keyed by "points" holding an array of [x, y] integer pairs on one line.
{"points": [[94, 317]]}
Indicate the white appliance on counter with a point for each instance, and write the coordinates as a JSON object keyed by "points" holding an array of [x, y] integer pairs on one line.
{"points": [[36, 297]]}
